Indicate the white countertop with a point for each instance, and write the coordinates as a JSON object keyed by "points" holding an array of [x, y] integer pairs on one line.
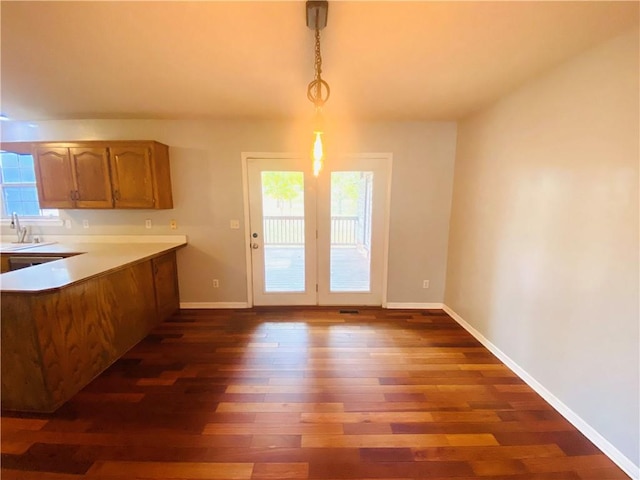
{"points": [[91, 258]]}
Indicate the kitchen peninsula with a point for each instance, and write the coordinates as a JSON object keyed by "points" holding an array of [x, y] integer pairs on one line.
{"points": [[66, 321]]}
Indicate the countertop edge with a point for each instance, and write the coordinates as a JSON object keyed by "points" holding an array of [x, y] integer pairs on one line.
{"points": [[157, 249]]}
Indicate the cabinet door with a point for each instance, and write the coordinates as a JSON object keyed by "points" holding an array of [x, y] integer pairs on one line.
{"points": [[166, 282], [54, 178], [132, 177], [92, 178]]}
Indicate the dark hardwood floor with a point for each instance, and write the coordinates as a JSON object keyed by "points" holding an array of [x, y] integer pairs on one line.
{"points": [[303, 394]]}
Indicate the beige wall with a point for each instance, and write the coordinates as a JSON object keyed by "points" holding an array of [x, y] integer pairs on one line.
{"points": [[543, 246], [207, 185]]}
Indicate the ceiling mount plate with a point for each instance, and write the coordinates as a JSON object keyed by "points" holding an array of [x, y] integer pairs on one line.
{"points": [[317, 11]]}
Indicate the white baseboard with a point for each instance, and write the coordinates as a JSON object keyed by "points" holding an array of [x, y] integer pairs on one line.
{"points": [[391, 305], [201, 305], [414, 306], [592, 434]]}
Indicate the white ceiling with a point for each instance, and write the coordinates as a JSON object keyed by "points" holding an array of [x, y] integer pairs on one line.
{"points": [[205, 59]]}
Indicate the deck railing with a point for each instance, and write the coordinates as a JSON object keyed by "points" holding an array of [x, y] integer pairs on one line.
{"points": [[289, 230], [344, 230], [283, 230]]}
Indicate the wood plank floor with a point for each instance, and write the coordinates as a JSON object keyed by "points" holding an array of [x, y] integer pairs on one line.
{"points": [[303, 394]]}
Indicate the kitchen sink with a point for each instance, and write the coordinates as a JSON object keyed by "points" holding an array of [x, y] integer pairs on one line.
{"points": [[14, 246]]}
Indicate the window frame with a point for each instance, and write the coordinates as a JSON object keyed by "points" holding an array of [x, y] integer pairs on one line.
{"points": [[25, 148]]}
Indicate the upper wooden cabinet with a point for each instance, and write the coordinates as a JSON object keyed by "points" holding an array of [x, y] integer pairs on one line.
{"points": [[92, 179], [132, 174], [76, 177], [140, 176], [54, 178]]}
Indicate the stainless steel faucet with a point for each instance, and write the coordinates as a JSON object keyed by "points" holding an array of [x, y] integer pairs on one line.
{"points": [[20, 231]]}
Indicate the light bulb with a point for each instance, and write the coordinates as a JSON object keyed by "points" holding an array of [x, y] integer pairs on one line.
{"points": [[317, 154]]}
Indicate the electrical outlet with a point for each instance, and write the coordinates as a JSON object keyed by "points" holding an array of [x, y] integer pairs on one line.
{"points": [[147, 223], [173, 225], [85, 223], [234, 224], [425, 284], [216, 283], [67, 223]]}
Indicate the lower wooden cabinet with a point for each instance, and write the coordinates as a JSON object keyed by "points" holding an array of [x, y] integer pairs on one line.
{"points": [[165, 274], [55, 342]]}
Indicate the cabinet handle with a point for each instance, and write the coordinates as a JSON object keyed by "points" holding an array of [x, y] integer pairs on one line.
{"points": [[77, 195], [116, 194]]}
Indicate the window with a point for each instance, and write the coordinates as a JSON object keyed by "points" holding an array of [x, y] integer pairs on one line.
{"points": [[18, 185]]}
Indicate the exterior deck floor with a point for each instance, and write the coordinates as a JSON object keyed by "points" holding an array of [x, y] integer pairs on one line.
{"points": [[285, 266]]}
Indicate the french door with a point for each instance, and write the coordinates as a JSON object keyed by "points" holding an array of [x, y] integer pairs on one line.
{"points": [[317, 241], [282, 219]]}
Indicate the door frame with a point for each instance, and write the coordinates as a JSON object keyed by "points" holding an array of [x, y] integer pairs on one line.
{"points": [[246, 156]]}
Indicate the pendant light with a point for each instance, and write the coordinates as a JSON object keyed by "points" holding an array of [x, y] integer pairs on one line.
{"points": [[318, 90]]}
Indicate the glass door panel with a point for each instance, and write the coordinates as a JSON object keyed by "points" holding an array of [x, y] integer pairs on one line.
{"points": [[283, 230], [350, 250]]}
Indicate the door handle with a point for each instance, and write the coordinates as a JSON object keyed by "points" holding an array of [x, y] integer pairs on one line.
{"points": [[254, 246]]}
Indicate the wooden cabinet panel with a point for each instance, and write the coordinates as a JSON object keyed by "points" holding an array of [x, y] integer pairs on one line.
{"points": [[162, 176], [23, 381], [165, 272], [131, 174], [92, 179], [54, 177], [132, 177], [4, 263], [141, 175], [73, 177]]}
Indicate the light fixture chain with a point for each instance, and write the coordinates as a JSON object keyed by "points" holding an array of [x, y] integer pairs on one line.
{"points": [[314, 90], [318, 64]]}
